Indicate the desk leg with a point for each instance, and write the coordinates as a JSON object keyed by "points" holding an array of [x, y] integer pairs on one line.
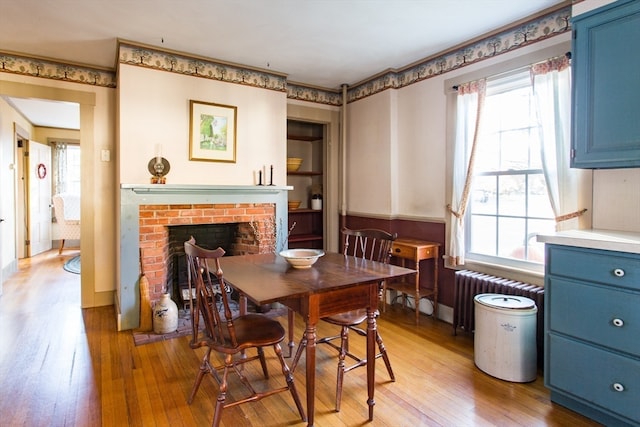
{"points": [[310, 334], [371, 358]]}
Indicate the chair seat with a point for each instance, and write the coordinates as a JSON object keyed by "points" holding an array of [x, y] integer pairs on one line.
{"points": [[255, 330], [349, 318]]}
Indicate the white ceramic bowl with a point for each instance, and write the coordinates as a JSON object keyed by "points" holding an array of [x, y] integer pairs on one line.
{"points": [[302, 258]]}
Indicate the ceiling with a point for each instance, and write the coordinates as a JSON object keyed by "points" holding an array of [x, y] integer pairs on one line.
{"points": [[323, 43]]}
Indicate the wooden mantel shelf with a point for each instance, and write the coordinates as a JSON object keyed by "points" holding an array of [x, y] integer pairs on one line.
{"points": [[203, 189]]}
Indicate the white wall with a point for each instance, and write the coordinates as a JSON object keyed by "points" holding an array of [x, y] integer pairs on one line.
{"points": [[154, 109], [371, 134]]}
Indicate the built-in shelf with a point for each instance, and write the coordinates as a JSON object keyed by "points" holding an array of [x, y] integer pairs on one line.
{"points": [[295, 211], [305, 140], [305, 173]]}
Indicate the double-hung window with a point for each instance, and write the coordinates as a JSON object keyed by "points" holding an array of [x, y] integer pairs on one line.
{"points": [[509, 203], [511, 175]]}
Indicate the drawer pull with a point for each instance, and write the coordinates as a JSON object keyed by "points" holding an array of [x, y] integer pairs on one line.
{"points": [[618, 387], [618, 323], [398, 250], [618, 272]]}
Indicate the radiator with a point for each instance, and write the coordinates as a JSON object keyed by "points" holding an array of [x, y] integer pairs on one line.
{"points": [[468, 284]]}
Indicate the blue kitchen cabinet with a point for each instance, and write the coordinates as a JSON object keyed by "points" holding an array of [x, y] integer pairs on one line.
{"points": [[592, 332], [606, 87]]}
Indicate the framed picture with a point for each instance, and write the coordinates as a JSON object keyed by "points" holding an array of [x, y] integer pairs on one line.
{"points": [[212, 132]]}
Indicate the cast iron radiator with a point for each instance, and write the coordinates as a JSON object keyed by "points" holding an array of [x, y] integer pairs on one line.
{"points": [[469, 283]]}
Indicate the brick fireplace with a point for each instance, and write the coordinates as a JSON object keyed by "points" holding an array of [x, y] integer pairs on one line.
{"points": [[148, 211], [155, 221]]}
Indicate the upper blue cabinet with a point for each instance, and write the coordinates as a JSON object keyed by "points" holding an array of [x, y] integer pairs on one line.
{"points": [[606, 87]]}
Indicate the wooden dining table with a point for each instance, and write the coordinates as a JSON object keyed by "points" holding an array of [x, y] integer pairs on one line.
{"points": [[336, 283]]}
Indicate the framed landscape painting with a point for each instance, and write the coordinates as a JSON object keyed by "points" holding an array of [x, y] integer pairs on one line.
{"points": [[212, 132]]}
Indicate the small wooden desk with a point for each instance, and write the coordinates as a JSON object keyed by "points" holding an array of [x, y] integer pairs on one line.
{"points": [[334, 284], [416, 251]]}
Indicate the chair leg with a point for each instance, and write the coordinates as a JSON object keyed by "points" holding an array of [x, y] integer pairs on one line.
{"points": [[296, 358], [290, 320], [61, 246], [384, 298], [222, 396], [385, 357], [263, 362], [289, 378], [204, 369], [344, 349]]}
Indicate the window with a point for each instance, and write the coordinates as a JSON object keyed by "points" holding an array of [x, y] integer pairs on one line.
{"points": [[508, 203], [66, 163]]}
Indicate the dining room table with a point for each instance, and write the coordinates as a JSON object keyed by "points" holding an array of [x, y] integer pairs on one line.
{"points": [[336, 283]]}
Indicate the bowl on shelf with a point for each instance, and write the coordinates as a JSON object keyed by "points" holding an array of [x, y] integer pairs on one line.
{"points": [[293, 164], [294, 204], [302, 258]]}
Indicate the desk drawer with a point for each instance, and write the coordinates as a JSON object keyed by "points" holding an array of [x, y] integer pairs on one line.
{"points": [[401, 250], [613, 268], [606, 380], [600, 314]]}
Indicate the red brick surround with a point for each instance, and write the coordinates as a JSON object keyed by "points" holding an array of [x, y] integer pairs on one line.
{"points": [[154, 232]]}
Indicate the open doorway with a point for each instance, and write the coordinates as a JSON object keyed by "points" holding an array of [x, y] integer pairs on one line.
{"points": [[96, 280], [48, 165]]}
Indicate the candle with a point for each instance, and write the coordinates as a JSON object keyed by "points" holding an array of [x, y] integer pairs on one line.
{"points": [[158, 153], [271, 180]]}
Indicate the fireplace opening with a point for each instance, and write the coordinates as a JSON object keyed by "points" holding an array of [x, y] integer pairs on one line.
{"points": [[228, 236]]}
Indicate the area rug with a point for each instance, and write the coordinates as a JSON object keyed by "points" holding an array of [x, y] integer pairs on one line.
{"points": [[73, 265]]}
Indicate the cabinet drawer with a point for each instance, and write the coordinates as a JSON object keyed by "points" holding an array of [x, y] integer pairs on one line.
{"points": [[605, 380], [404, 251], [413, 251], [602, 314], [613, 268]]}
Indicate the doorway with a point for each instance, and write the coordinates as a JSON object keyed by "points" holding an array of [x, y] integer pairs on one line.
{"points": [[91, 293]]}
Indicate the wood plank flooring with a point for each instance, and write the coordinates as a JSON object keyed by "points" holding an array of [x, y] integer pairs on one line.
{"points": [[61, 365]]}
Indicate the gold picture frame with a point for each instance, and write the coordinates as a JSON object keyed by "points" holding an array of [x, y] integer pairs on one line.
{"points": [[212, 132]]}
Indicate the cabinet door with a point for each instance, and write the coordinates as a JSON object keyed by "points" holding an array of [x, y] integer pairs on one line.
{"points": [[606, 87], [604, 380]]}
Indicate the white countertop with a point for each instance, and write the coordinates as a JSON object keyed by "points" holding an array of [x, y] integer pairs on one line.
{"points": [[621, 241]]}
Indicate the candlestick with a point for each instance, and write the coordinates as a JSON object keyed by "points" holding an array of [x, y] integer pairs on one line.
{"points": [[259, 177], [271, 178]]}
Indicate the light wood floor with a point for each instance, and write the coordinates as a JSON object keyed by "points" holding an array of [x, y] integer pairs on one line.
{"points": [[64, 366]]}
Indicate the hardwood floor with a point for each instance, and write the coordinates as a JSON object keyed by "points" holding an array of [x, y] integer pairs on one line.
{"points": [[65, 366]]}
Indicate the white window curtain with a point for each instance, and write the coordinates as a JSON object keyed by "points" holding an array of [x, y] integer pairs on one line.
{"points": [[552, 92], [59, 173], [470, 101]]}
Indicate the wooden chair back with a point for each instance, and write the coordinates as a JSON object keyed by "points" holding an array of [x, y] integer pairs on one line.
{"points": [[371, 244], [211, 299]]}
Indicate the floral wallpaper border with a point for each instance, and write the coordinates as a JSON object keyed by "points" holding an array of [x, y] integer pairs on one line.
{"points": [[49, 69], [541, 28], [157, 59]]}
